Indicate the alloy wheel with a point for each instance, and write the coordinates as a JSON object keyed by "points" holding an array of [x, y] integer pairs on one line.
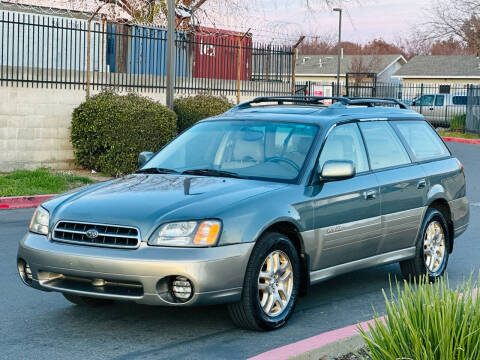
{"points": [[275, 283], [434, 246]]}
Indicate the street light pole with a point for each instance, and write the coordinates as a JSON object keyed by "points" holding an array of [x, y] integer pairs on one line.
{"points": [[339, 59], [170, 53]]}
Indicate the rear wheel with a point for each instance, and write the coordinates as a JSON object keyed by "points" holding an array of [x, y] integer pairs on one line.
{"points": [[87, 301], [432, 253], [271, 285]]}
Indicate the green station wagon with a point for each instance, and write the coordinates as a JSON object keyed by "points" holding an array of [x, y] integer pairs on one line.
{"points": [[252, 207]]}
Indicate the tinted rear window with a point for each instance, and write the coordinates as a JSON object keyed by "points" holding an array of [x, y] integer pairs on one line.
{"points": [[423, 141], [383, 145]]}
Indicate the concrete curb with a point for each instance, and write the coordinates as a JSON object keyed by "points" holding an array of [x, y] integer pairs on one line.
{"points": [[333, 350], [329, 344], [462, 140], [21, 202]]}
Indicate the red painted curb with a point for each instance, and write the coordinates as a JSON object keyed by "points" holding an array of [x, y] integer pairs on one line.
{"points": [[20, 202], [461, 140], [318, 341], [314, 342]]}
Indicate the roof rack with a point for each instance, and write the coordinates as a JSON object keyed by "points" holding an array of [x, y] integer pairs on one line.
{"points": [[319, 100], [372, 101]]}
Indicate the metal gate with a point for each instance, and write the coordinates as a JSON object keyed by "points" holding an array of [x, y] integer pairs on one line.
{"points": [[361, 84]]}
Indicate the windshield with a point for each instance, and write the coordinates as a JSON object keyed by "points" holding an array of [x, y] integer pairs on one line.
{"points": [[246, 149]]}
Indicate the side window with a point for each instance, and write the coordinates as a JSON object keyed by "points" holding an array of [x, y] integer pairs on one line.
{"points": [[422, 140], [439, 100], [383, 145], [459, 100], [345, 143], [425, 100]]}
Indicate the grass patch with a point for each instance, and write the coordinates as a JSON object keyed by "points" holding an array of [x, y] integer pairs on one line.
{"points": [[37, 182], [458, 134], [427, 321]]}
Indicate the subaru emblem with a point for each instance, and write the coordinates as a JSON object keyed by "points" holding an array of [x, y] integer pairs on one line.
{"points": [[92, 234]]}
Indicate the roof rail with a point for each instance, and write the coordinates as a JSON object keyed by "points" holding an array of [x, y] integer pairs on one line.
{"points": [[372, 101], [280, 100]]}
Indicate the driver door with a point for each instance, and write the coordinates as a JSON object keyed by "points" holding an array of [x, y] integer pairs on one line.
{"points": [[425, 106], [347, 216]]}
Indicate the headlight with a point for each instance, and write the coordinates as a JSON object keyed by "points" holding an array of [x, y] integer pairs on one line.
{"points": [[187, 233], [40, 220]]}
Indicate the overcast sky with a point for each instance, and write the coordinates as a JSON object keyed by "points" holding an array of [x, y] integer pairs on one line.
{"points": [[363, 19]]}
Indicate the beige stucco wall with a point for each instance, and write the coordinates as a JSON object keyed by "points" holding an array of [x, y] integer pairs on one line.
{"points": [[321, 79], [443, 81], [35, 126]]}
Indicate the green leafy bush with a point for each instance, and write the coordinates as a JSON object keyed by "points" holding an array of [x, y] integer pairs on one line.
{"points": [[195, 108], [427, 321], [458, 122], [110, 130]]}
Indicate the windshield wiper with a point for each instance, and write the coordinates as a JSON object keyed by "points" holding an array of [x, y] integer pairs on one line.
{"points": [[156, 171], [212, 172]]}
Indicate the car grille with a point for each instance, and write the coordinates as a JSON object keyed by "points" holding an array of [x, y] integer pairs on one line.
{"points": [[97, 235]]}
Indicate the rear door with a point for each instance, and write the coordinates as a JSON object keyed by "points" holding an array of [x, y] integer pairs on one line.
{"points": [[403, 186], [346, 212]]}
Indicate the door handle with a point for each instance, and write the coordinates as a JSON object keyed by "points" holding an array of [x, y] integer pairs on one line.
{"points": [[422, 184], [370, 194]]}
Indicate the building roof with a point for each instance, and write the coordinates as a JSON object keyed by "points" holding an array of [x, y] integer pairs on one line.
{"points": [[426, 66], [326, 65]]}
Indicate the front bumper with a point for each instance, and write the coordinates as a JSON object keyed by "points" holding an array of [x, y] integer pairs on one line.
{"points": [[139, 275]]}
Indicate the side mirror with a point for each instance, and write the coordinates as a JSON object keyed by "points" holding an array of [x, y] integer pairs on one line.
{"points": [[144, 157], [334, 170]]}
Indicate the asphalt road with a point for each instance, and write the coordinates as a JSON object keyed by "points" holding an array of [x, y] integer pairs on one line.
{"points": [[38, 325]]}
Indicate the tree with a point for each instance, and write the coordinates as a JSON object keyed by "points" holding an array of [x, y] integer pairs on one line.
{"points": [[381, 47], [447, 47], [458, 21]]}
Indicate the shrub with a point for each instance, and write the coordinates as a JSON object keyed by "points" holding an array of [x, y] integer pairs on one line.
{"points": [[458, 122], [195, 108], [110, 130], [427, 321]]}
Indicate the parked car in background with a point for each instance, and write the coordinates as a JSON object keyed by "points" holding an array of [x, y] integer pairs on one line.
{"points": [[439, 109], [252, 207]]}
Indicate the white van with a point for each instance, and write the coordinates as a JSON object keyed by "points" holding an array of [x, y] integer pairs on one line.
{"points": [[440, 108]]}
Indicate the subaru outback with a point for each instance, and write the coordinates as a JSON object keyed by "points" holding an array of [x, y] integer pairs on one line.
{"points": [[252, 207]]}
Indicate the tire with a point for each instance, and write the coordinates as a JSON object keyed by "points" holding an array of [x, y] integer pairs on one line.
{"points": [[420, 265], [249, 313], [87, 301]]}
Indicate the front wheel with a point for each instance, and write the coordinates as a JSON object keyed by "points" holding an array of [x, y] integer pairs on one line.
{"points": [[432, 251], [271, 285]]}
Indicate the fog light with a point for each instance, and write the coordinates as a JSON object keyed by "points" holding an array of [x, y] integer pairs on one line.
{"points": [[181, 288], [24, 271]]}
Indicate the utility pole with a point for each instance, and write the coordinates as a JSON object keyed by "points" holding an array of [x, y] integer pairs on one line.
{"points": [[239, 63], [170, 53], [339, 59], [294, 62]]}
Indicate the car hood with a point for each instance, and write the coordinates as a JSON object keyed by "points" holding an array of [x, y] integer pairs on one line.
{"points": [[146, 200]]}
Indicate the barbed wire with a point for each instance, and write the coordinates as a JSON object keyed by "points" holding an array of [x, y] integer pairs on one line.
{"points": [[234, 15]]}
